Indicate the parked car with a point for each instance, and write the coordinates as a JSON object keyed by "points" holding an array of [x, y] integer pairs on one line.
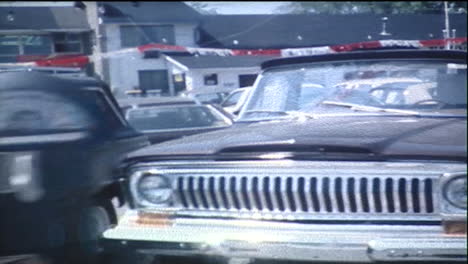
{"points": [[235, 100], [62, 71], [324, 180], [61, 142], [166, 118], [207, 95]]}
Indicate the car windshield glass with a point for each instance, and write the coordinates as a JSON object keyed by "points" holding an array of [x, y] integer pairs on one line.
{"points": [[175, 117], [209, 98], [232, 99], [385, 86]]}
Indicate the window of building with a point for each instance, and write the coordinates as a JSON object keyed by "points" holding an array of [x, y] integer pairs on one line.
{"points": [[132, 36], [13, 45], [211, 79], [154, 80], [68, 43], [247, 79]]}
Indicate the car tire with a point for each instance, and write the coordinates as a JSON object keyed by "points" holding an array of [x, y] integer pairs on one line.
{"points": [[130, 258], [84, 227]]}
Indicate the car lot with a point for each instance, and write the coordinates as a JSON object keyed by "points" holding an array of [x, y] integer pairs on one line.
{"points": [[340, 156], [316, 167]]}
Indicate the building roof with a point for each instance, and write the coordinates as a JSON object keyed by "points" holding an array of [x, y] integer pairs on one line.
{"points": [[148, 12], [291, 30], [208, 61], [64, 18]]}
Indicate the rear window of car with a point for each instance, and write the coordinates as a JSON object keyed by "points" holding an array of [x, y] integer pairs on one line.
{"points": [[149, 119]]}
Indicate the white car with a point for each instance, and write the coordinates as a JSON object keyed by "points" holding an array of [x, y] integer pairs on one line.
{"points": [[235, 100]]}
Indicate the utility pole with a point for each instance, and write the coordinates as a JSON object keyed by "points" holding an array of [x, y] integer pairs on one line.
{"points": [[447, 25], [99, 47]]}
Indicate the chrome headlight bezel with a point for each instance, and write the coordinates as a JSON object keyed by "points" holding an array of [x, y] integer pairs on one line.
{"points": [[448, 189], [449, 206], [142, 199]]}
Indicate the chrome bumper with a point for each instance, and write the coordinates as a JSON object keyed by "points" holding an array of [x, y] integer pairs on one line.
{"points": [[288, 241]]}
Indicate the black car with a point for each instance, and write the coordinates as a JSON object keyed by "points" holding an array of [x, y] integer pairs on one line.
{"points": [[61, 143], [315, 171], [167, 118]]}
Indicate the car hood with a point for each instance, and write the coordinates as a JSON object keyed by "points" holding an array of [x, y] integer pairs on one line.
{"points": [[378, 135]]}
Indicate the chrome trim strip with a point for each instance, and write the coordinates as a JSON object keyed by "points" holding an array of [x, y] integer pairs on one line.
{"points": [[383, 196], [295, 191], [261, 191], [409, 195], [321, 198], [422, 196], [396, 199], [332, 194]]}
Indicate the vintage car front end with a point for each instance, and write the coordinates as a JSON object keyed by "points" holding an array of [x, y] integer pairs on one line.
{"points": [[338, 211]]}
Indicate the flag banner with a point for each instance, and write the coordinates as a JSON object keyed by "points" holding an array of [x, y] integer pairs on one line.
{"points": [[82, 60]]}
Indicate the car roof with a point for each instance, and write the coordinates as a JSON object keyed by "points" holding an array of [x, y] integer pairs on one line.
{"points": [[152, 101], [242, 89], [366, 55], [209, 90], [29, 80]]}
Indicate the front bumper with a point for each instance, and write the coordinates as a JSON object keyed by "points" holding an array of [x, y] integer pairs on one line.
{"points": [[287, 241]]}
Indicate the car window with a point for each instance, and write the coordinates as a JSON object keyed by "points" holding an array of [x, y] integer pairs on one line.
{"points": [[429, 86], [232, 99], [174, 117], [36, 111], [209, 98]]}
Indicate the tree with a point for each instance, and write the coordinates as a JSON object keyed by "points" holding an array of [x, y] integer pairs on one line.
{"points": [[376, 7]]}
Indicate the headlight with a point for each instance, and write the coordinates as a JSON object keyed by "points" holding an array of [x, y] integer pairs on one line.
{"points": [[155, 189], [455, 191]]}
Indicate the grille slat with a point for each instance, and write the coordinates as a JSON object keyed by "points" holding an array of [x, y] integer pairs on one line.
{"points": [[207, 193], [396, 198], [429, 194], [262, 196], [422, 198], [358, 196], [198, 191], [272, 194], [320, 197], [187, 194], [296, 191], [305, 194], [308, 197], [246, 194], [228, 192], [333, 197], [409, 196], [370, 196]]}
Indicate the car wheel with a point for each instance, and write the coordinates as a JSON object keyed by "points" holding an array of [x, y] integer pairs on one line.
{"points": [[130, 258], [84, 227]]}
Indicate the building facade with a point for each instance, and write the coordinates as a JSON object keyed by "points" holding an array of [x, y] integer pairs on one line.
{"points": [[110, 32], [32, 33]]}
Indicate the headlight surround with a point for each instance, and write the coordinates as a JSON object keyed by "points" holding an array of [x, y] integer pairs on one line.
{"points": [[155, 189], [455, 192]]}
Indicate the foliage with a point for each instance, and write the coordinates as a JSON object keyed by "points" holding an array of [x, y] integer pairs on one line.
{"points": [[202, 8], [376, 7]]}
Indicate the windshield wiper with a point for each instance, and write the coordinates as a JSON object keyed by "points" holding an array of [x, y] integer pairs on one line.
{"points": [[368, 108]]}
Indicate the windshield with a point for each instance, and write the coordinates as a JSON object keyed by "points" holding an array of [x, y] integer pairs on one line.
{"points": [[213, 98], [153, 119], [232, 99], [419, 86]]}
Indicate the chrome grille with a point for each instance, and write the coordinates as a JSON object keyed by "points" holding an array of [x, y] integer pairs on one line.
{"points": [[307, 194], [302, 190]]}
